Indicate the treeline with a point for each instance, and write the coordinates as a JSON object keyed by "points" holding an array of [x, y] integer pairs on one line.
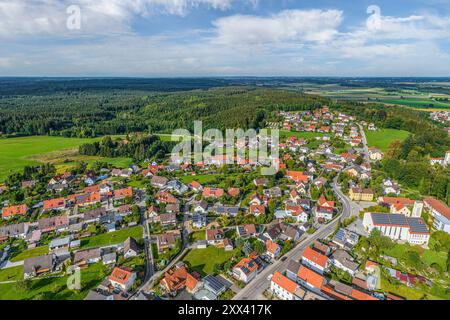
{"points": [[137, 147]]}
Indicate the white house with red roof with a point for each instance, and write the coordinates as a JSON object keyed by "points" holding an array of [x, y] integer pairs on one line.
{"points": [[285, 289], [315, 260], [122, 279]]}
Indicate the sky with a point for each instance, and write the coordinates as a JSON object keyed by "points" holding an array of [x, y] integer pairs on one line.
{"points": [[201, 38]]}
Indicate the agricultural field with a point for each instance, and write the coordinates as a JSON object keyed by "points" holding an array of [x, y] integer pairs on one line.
{"points": [[15, 153], [383, 138], [203, 260], [111, 238]]}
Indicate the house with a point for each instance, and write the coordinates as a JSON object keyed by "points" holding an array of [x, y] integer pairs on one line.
{"points": [[56, 244], [322, 202], [28, 184], [400, 208], [209, 192], [84, 258], [245, 231], [234, 192], [123, 193], [257, 210], [177, 186], [109, 258], [277, 230], [165, 197], [122, 278], [315, 260], [272, 249], [33, 267], [54, 204], [177, 279], [196, 186], [173, 207], [215, 237], [322, 247], [227, 244], [198, 220], [19, 230], [285, 289], [166, 219], [12, 211], [216, 284], [359, 194], [225, 210], [345, 239], [167, 240], [55, 223], [94, 215], [310, 279], [344, 261], [325, 213], [375, 154], [201, 207], [247, 269], [130, 248], [390, 187], [398, 227], [297, 176], [260, 182], [292, 269]]}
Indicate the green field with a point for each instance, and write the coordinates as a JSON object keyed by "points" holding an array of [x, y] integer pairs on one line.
{"points": [[384, 137], [15, 153], [201, 178], [111, 238], [55, 288], [11, 274], [30, 253], [203, 260], [418, 103]]}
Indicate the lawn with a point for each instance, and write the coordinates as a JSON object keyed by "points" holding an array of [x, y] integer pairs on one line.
{"points": [[111, 238], [30, 253], [198, 236], [11, 274], [203, 260], [15, 153], [409, 293], [384, 137], [55, 288], [201, 178], [427, 256]]}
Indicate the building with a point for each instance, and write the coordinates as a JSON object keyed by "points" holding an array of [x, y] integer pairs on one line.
{"points": [[215, 237], [245, 231], [12, 211], [310, 279], [86, 257], [285, 289], [247, 269], [344, 261], [315, 260], [122, 278], [398, 227], [440, 213], [359, 194], [36, 266], [130, 248], [167, 240], [272, 249]]}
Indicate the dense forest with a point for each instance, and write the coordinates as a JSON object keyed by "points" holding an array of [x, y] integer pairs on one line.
{"points": [[98, 112]]}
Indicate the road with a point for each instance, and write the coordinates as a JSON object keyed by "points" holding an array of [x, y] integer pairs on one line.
{"points": [[364, 141], [254, 290]]}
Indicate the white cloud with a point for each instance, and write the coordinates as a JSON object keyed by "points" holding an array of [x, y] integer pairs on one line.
{"points": [[286, 26]]}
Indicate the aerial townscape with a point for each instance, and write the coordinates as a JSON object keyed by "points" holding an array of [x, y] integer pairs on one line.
{"points": [[221, 158], [115, 218]]}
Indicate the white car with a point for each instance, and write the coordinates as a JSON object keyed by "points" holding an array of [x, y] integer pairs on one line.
{"points": [[269, 277]]}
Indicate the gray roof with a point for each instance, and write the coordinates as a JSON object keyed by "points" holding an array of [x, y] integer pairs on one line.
{"points": [[13, 230], [59, 242], [35, 264], [293, 266], [417, 225], [345, 259], [130, 244], [216, 284]]}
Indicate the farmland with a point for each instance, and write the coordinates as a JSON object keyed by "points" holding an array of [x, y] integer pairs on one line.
{"points": [[384, 137], [15, 153]]}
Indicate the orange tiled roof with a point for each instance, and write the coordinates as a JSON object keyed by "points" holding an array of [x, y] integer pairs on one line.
{"points": [[309, 276], [14, 210], [315, 257], [120, 275], [284, 282], [54, 203]]}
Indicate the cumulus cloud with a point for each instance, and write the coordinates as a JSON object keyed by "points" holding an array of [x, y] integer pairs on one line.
{"points": [[30, 17], [286, 26]]}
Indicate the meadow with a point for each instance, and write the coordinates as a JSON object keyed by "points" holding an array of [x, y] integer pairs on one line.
{"points": [[203, 260], [15, 153], [381, 139]]}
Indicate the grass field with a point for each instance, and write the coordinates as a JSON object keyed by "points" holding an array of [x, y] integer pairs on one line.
{"points": [[15, 153], [111, 238], [203, 260], [418, 102], [201, 178], [11, 274], [30, 253], [409, 293], [384, 137], [427, 256], [55, 288]]}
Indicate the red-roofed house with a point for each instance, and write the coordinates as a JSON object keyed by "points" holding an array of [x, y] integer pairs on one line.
{"points": [[325, 203], [272, 249], [12, 211], [309, 278], [122, 278], [54, 204], [234, 192], [257, 210], [285, 289], [213, 192], [123, 193], [297, 176]]}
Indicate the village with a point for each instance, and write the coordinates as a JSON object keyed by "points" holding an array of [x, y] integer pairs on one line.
{"points": [[215, 231]]}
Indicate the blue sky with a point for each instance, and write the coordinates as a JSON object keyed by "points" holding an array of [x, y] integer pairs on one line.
{"points": [[153, 38]]}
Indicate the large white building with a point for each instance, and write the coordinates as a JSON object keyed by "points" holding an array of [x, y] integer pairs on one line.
{"points": [[398, 227], [285, 289]]}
